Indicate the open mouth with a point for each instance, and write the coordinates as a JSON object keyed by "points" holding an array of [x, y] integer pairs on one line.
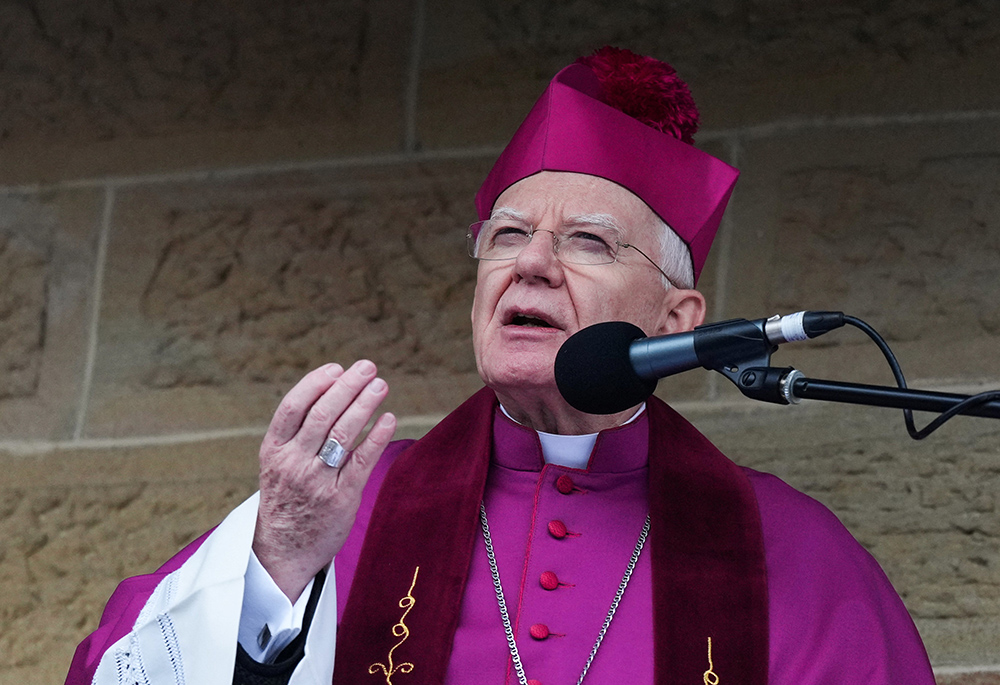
{"points": [[529, 321]]}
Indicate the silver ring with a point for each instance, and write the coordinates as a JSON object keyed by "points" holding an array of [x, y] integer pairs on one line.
{"points": [[332, 453]]}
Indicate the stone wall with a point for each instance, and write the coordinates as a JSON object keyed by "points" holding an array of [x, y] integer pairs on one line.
{"points": [[201, 201]]}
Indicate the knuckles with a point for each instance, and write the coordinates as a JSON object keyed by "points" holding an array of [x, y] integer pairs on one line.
{"points": [[286, 416], [322, 414]]}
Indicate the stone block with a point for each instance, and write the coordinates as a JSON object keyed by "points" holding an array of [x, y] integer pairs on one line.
{"points": [[895, 225], [980, 678], [220, 296], [74, 523], [48, 248], [926, 510], [92, 90], [747, 62]]}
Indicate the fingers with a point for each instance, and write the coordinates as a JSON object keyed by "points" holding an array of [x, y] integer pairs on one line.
{"points": [[367, 453], [358, 413], [330, 403], [344, 410], [290, 414]]}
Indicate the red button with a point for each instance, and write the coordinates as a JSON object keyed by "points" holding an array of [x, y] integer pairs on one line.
{"points": [[549, 580], [539, 631], [558, 529], [564, 484]]}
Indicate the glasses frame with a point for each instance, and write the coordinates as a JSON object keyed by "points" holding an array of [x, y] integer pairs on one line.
{"points": [[471, 244]]}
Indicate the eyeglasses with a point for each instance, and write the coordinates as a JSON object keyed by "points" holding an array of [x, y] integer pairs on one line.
{"points": [[496, 240]]}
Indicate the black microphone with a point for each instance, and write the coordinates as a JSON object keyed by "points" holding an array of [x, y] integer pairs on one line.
{"points": [[608, 367]]}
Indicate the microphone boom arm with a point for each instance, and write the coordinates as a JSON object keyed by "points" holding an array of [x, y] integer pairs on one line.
{"points": [[789, 386]]}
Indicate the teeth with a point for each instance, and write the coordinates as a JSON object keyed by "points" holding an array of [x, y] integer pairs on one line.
{"points": [[525, 320]]}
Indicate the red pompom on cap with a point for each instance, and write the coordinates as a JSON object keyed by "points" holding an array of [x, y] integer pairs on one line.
{"points": [[646, 89]]}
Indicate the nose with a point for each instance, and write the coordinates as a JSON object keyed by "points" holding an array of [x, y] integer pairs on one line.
{"points": [[537, 262]]}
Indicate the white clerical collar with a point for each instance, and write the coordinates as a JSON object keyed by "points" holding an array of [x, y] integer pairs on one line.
{"points": [[572, 451]]}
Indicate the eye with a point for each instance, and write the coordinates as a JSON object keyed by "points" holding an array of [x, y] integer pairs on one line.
{"points": [[590, 241], [583, 235], [508, 234]]}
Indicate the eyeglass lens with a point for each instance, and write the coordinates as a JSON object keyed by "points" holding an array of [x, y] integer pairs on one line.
{"points": [[581, 244]]}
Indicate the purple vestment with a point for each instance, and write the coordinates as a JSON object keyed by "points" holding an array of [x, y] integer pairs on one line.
{"points": [[834, 618]]}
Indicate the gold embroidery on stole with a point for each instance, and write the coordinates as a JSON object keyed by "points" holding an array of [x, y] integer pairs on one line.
{"points": [[399, 630], [709, 677]]}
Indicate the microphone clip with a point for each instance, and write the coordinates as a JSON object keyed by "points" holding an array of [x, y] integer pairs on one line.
{"points": [[767, 383], [734, 348]]}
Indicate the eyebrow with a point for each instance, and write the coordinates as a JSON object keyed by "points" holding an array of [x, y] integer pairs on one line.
{"points": [[509, 213], [604, 220], [595, 219]]}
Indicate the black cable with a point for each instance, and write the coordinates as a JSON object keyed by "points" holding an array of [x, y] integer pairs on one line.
{"points": [[897, 372]]}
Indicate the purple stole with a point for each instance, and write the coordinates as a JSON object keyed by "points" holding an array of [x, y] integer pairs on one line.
{"points": [[709, 576]]}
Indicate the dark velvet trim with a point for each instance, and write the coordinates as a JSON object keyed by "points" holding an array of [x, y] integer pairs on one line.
{"points": [[709, 576], [709, 572], [279, 672], [427, 516]]}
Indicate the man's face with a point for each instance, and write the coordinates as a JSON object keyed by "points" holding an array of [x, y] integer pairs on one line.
{"points": [[525, 308]]}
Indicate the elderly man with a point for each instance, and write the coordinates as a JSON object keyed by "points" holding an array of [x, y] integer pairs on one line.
{"points": [[522, 540]]}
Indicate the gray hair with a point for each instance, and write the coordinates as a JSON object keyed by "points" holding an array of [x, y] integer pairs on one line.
{"points": [[675, 257]]}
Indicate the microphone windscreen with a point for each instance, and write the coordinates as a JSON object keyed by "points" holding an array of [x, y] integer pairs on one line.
{"points": [[594, 373]]}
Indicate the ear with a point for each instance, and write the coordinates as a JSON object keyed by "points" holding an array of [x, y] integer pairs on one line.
{"points": [[683, 310]]}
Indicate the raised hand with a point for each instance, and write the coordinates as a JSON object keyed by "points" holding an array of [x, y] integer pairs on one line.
{"points": [[306, 507]]}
